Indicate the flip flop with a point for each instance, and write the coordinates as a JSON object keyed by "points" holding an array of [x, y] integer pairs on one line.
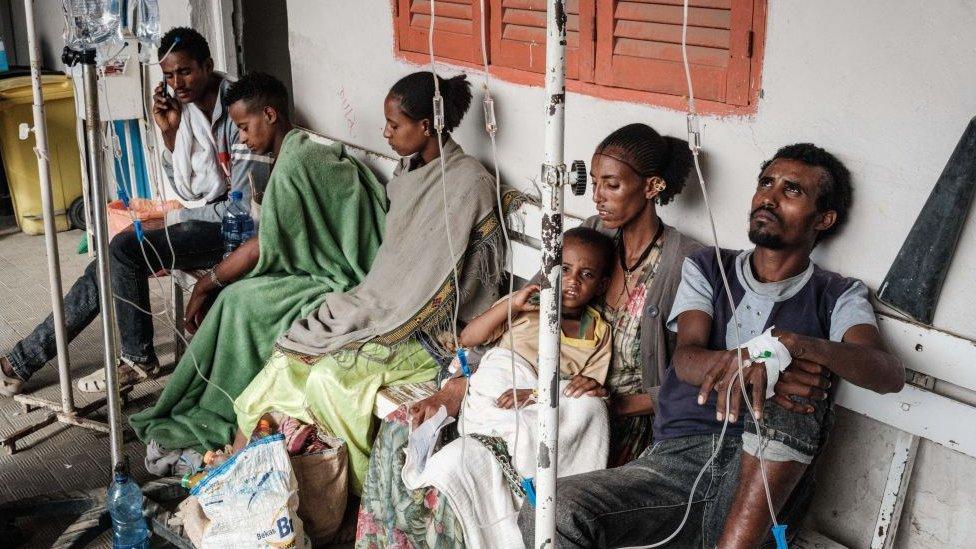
{"points": [[9, 386], [130, 373]]}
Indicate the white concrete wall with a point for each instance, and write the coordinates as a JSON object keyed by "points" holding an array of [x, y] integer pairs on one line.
{"points": [[886, 85]]}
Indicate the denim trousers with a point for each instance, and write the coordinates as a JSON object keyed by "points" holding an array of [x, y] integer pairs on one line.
{"points": [[644, 501], [195, 245]]}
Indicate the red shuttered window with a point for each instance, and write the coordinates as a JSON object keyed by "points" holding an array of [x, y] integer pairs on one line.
{"points": [[457, 28], [639, 47], [518, 36], [618, 49]]}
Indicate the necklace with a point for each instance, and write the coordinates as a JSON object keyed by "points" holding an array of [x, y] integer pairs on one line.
{"points": [[622, 255], [622, 252]]}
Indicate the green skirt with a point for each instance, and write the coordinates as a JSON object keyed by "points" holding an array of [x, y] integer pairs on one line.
{"points": [[337, 392]]}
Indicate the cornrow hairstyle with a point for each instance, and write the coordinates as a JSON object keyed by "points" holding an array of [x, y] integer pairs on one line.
{"points": [[589, 236], [186, 40], [836, 191], [259, 90], [416, 94], [651, 155]]}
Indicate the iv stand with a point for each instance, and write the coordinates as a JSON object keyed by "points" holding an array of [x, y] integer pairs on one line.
{"points": [[553, 181], [65, 412], [89, 506]]}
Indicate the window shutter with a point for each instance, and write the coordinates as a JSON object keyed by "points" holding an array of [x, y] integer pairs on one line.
{"points": [[457, 28], [639, 47], [518, 36]]}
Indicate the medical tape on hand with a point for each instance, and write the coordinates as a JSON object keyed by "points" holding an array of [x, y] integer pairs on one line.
{"points": [[767, 349]]}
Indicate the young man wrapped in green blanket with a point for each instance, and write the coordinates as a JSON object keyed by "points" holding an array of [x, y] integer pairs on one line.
{"points": [[321, 223]]}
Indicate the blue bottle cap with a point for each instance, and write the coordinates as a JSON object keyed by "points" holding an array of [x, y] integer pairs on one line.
{"points": [[236, 195]]}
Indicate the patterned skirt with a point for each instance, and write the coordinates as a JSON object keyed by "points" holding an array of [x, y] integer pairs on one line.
{"points": [[393, 516]]}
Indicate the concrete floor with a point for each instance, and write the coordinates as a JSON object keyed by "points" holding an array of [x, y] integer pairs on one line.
{"points": [[58, 457]]}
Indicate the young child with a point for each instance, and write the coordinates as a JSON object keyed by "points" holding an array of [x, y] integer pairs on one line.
{"points": [[483, 473], [584, 352], [585, 340]]}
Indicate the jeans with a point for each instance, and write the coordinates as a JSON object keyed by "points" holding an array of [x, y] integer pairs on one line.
{"points": [[644, 501], [195, 244]]}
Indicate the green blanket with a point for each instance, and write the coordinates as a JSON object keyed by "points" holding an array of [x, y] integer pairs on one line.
{"points": [[322, 220]]}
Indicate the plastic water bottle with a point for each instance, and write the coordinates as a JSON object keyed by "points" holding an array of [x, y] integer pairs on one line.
{"points": [[124, 503], [237, 225], [4, 66], [90, 22], [147, 24]]}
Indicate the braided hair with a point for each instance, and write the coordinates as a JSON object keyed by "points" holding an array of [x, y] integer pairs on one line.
{"points": [[651, 155]]}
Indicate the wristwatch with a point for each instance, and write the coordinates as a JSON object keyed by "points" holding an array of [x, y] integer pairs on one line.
{"points": [[214, 280]]}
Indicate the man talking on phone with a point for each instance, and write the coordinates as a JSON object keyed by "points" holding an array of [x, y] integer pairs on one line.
{"points": [[204, 162]]}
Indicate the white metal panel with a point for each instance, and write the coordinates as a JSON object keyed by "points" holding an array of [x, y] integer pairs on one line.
{"points": [[931, 352], [928, 415]]}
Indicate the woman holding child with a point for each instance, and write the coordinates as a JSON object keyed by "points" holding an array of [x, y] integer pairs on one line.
{"points": [[633, 169]]}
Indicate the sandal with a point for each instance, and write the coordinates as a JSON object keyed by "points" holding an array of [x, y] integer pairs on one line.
{"points": [[9, 385], [130, 373]]}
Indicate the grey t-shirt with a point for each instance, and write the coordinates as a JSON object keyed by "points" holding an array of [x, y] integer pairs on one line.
{"points": [[816, 303], [754, 307]]}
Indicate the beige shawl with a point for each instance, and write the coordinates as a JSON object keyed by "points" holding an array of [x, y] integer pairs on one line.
{"points": [[410, 286]]}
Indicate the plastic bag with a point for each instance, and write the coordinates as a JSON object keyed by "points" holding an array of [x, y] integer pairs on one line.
{"points": [[252, 500], [143, 209]]}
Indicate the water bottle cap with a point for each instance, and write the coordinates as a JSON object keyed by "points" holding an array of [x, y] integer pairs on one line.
{"points": [[236, 195], [120, 477]]}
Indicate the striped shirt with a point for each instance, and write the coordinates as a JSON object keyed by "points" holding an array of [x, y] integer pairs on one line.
{"points": [[241, 163]]}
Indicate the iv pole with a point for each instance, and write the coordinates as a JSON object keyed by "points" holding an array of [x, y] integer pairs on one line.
{"points": [[89, 506], [99, 200], [50, 235], [553, 180], [65, 411]]}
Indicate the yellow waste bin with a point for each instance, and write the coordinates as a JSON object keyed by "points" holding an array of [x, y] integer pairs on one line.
{"points": [[19, 160]]}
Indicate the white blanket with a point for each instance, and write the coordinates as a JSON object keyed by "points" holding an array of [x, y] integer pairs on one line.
{"points": [[467, 474], [196, 170]]}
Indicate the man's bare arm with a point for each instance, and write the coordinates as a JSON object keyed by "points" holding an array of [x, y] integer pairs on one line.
{"points": [[860, 359]]}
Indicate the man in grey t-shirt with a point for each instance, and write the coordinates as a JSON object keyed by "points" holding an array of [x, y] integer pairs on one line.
{"points": [[825, 322]]}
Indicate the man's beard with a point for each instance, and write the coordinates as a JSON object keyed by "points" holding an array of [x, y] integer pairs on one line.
{"points": [[765, 240]]}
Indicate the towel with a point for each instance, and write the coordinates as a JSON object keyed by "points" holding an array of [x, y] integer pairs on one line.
{"points": [[471, 478], [196, 171]]}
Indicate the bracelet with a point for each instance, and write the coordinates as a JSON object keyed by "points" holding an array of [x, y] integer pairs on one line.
{"points": [[214, 280]]}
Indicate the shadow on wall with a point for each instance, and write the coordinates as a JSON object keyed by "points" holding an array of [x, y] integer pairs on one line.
{"points": [[261, 29]]}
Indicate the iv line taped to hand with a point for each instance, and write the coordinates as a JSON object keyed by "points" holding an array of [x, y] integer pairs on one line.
{"points": [[767, 349]]}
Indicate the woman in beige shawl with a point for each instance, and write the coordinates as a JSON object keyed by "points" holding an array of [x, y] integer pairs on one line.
{"points": [[328, 367]]}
